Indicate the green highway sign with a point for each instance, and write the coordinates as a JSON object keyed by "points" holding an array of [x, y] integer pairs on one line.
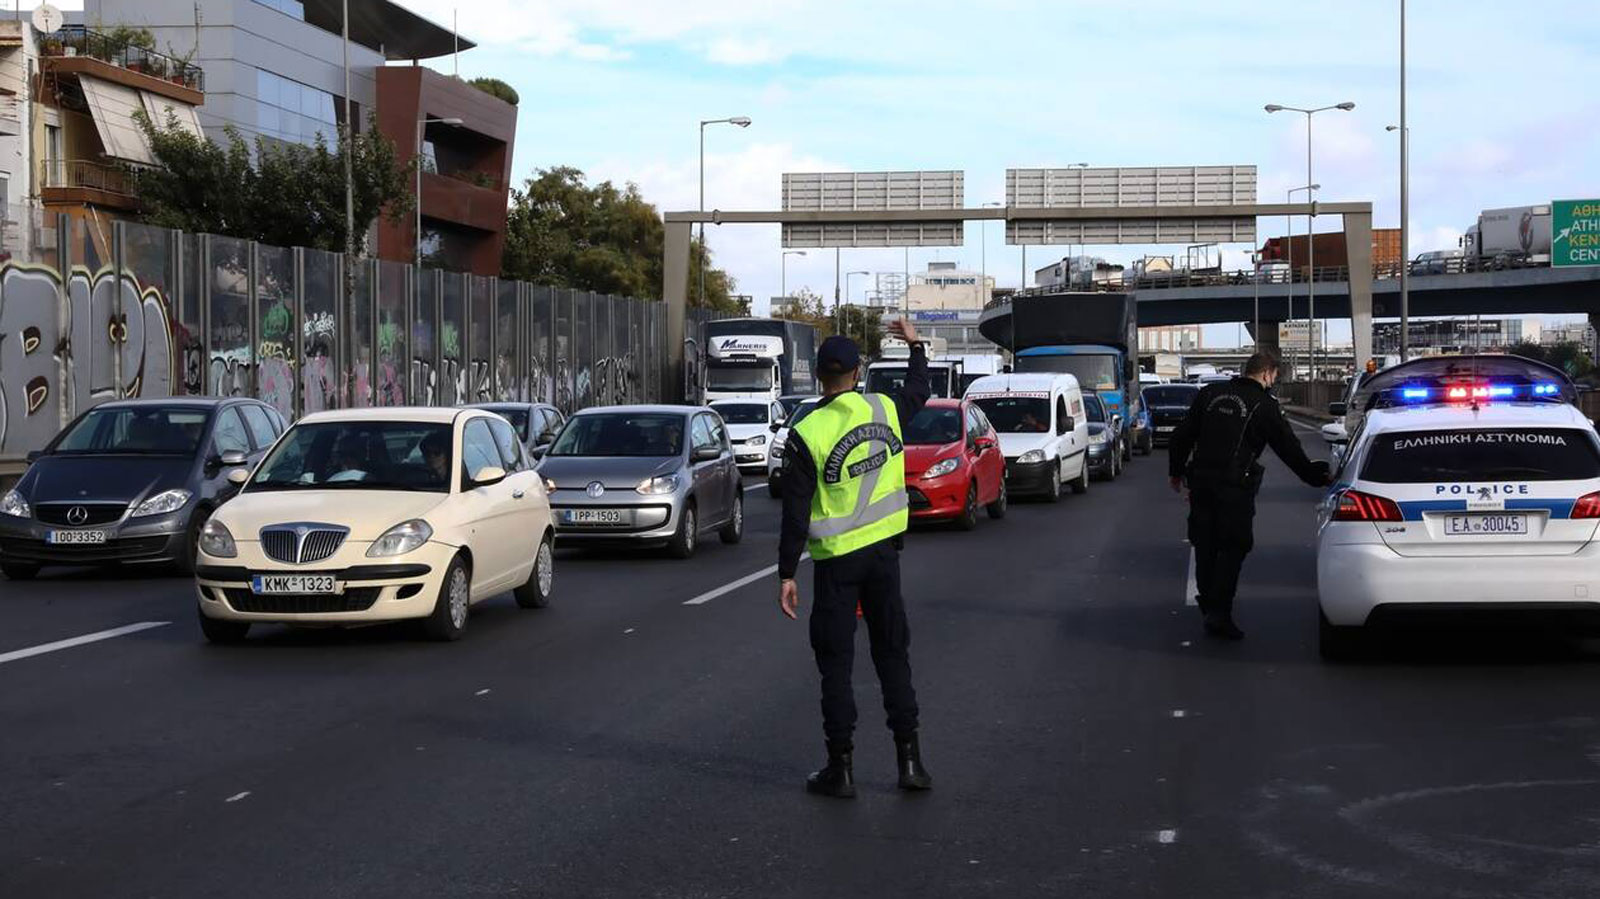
{"points": [[1575, 232]]}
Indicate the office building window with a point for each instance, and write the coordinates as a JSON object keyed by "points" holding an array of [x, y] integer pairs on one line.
{"points": [[292, 111], [287, 7]]}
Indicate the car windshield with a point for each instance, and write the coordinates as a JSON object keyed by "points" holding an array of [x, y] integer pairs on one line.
{"points": [[1092, 408], [892, 378], [142, 430], [517, 415], [359, 455], [748, 378], [1097, 372], [1523, 454], [1016, 414], [934, 425], [742, 413], [621, 434], [1169, 396], [790, 403]]}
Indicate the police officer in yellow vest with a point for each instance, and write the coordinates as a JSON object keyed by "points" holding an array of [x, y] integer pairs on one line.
{"points": [[844, 499]]}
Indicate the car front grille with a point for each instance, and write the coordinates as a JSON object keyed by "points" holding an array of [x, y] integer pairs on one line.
{"points": [[302, 544], [92, 513], [354, 599]]}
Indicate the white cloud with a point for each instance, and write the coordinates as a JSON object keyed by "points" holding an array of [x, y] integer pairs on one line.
{"points": [[735, 51]]}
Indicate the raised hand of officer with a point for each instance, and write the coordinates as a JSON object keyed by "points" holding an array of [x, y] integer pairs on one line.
{"points": [[788, 597], [903, 329]]}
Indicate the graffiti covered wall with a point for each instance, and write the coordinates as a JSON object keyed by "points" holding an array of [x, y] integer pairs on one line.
{"points": [[74, 353]]}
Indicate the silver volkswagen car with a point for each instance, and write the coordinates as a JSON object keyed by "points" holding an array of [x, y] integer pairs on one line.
{"points": [[644, 476]]}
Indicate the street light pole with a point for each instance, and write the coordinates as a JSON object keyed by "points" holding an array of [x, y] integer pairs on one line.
{"points": [[983, 250], [1310, 189], [742, 122], [1311, 239], [783, 269], [1405, 202], [842, 323]]}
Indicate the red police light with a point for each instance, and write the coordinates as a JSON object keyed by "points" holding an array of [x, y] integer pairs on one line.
{"points": [[1587, 506], [1357, 506]]}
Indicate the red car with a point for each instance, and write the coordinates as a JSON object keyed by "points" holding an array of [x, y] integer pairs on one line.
{"points": [[954, 464]]}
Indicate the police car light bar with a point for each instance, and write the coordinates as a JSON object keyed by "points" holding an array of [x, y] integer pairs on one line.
{"points": [[1480, 392]]}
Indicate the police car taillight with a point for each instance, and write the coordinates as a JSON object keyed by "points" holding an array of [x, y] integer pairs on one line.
{"points": [[1587, 506], [1357, 506]]}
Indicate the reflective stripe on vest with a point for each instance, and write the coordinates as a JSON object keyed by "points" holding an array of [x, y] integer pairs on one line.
{"points": [[857, 503]]}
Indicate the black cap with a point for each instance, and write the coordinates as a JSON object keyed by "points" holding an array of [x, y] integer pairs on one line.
{"points": [[837, 355]]}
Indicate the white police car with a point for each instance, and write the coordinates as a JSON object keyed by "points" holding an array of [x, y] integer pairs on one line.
{"points": [[1465, 496]]}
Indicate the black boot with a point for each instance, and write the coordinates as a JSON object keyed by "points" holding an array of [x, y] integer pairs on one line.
{"points": [[837, 778], [1223, 628], [908, 758]]}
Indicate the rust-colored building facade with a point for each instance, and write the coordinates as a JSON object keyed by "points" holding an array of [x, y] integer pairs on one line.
{"points": [[466, 168]]}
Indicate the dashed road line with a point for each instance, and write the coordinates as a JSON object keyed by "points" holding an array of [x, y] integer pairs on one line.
{"points": [[1190, 587], [1167, 836], [709, 595], [97, 636]]}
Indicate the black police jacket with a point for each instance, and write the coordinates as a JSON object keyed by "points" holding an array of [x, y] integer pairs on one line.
{"points": [[1219, 442]]}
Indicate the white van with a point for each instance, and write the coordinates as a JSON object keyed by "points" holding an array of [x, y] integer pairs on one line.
{"points": [[1043, 430]]}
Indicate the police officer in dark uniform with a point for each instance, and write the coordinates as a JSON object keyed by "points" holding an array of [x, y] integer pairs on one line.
{"points": [[1215, 449], [844, 499]]}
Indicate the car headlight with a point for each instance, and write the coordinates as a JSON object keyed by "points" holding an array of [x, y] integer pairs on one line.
{"points": [[758, 440], [942, 467], [1033, 455], [1098, 439], [162, 503], [549, 485], [216, 540], [401, 539], [13, 504], [659, 486]]}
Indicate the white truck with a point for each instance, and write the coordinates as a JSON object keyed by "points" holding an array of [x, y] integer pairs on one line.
{"points": [[1509, 237]]}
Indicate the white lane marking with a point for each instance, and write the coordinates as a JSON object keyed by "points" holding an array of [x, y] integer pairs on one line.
{"points": [[1167, 836], [70, 642], [237, 796], [627, 632], [483, 692], [709, 595], [1190, 588], [1179, 713]]}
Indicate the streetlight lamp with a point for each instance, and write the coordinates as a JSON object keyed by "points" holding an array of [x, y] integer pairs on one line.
{"points": [[1289, 196], [742, 122], [421, 124], [1405, 209], [783, 271], [1311, 253]]}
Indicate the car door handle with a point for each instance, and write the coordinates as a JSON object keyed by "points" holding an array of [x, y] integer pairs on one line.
{"points": [[518, 494]]}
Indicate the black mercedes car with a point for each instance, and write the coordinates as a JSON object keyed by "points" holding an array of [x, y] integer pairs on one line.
{"points": [[131, 481]]}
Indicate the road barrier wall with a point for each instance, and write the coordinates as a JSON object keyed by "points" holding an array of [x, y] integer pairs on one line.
{"points": [[92, 310]]}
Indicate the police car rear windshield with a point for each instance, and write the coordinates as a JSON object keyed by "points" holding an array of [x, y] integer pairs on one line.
{"points": [[1524, 454]]}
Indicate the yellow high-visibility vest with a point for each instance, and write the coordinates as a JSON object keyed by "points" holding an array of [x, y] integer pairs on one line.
{"points": [[855, 443]]}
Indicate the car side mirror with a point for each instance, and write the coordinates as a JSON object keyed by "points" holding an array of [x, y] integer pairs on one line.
{"points": [[233, 458], [238, 476], [775, 427], [983, 444], [539, 451], [1067, 424], [488, 476], [705, 453], [1337, 410], [1335, 433]]}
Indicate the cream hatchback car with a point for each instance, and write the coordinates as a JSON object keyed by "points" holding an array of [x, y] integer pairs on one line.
{"points": [[369, 515]]}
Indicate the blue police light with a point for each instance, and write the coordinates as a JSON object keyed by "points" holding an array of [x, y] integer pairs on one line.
{"points": [[1546, 389], [1414, 393], [1501, 390]]}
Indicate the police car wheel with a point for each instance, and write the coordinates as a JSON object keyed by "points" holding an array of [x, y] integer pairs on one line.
{"points": [[683, 542], [1339, 644], [733, 531]]}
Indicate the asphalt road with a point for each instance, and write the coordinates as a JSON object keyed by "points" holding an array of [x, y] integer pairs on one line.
{"points": [[1086, 739]]}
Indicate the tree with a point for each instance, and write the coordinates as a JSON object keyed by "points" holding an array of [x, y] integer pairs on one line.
{"points": [[862, 324], [1570, 357], [289, 195], [562, 232], [494, 87]]}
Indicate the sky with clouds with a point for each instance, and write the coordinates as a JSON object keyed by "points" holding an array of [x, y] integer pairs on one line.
{"points": [[1502, 102]]}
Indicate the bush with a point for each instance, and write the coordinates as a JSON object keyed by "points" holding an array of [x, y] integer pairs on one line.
{"points": [[494, 87]]}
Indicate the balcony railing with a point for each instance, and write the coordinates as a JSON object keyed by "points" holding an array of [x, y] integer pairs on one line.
{"points": [[77, 40], [88, 175]]}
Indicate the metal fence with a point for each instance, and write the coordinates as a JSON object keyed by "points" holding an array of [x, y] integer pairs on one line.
{"points": [[92, 311]]}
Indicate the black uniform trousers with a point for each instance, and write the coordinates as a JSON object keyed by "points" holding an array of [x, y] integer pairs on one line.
{"points": [[871, 576], [1221, 523]]}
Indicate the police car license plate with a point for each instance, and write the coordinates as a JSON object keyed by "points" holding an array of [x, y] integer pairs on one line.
{"points": [[75, 538], [1475, 525], [593, 516], [298, 584]]}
